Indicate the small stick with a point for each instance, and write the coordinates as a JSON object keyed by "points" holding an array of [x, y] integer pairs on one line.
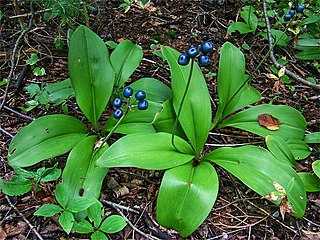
{"points": [[24, 218], [4, 131], [19, 114]]}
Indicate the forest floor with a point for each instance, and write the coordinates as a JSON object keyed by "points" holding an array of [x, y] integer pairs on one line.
{"points": [[239, 213]]}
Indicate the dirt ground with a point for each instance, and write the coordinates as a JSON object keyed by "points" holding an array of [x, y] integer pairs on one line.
{"points": [[239, 213]]}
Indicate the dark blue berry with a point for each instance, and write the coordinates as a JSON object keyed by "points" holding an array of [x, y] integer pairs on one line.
{"points": [[140, 95], [287, 17], [95, 11], [292, 12], [203, 60], [142, 105], [192, 52], [118, 113], [127, 92], [206, 47], [117, 102], [300, 8], [183, 59]]}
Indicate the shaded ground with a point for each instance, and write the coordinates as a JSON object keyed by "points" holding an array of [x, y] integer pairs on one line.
{"points": [[239, 213]]}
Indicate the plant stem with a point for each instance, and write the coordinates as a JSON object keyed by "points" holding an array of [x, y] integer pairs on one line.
{"points": [[181, 105]]}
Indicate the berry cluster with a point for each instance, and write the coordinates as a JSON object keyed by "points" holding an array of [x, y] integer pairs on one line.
{"points": [[193, 52], [127, 93], [287, 17]]}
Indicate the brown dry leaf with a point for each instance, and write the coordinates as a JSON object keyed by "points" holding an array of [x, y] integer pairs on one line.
{"points": [[3, 234], [274, 196], [278, 187], [269, 122], [285, 207], [271, 76], [20, 228], [311, 235]]}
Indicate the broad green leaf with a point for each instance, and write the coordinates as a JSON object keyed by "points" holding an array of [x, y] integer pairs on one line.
{"points": [[316, 167], [113, 224], [281, 150], [125, 59], [292, 125], [33, 89], [24, 173], [50, 174], [312, 138], [164, 120], [156, 90], [233, 92], [258, 169], [97, 235], [280, 37], [186, 196], [148, 151], [66, 221], [45, 137], [83, 227], [60, 91], [91, 73], [309, 54], [195, 117], [95, 213], [299, 148], [136, 121], [239, 26], [249, 17], [75, 171], [16, 186], [80, 204], [62, 195], [48, 210], [303, 44], [311, 182]]}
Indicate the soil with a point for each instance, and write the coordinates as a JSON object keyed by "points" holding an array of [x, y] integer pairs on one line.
{"points": [[238, 213]]}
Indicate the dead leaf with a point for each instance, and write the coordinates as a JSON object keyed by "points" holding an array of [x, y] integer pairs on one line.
{"points": [[269, 122], [282, 71], [271, 76], [274, 196], [311, 235], [20, 228], [278, 187], [3, 234], [285, 207]]}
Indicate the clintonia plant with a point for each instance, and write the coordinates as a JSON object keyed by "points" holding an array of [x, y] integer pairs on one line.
{"points": [[171, 131]]}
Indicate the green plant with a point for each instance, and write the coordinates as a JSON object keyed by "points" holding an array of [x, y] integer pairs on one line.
{"points": [[32, 61], [250, 24], [171, 134]]}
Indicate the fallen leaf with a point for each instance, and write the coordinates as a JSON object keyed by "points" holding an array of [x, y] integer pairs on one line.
{"points": [[271, 76], [3, 234], [285, 207], [311, 235], [20, 228], [269, 122]]}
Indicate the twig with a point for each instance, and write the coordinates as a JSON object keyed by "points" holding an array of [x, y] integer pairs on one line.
{"points": [[273, 58], [30, 14], [225, 235], [19, 114], [24, 218], [118, 208], [4, 131], [12, 60]]}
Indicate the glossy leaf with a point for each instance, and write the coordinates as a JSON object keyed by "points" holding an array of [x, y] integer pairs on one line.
{"points": [[97, 235], [233, 93], [80, 204], [125, 59], [316, 167], [258, 169], [95, 213], [66, 221], [280, 149], [186, 197], [292, 125], [91, 73], [45, 137], [299, 148], [83, 227], [16, 186], [48, 210], [195, 117], [152, 151], [312, 138], [113, 224], [311, 182], [156, 90], [61, 194]]}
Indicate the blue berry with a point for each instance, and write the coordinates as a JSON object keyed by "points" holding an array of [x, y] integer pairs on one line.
{"points": [[95, 11], [142, 105], [127, 92], [287, 17], [206, 47], [192, 52], [183, 59], [117, 102], [140, 95], [118, 113], [300, 8], [292, 12], [203, 60]]}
